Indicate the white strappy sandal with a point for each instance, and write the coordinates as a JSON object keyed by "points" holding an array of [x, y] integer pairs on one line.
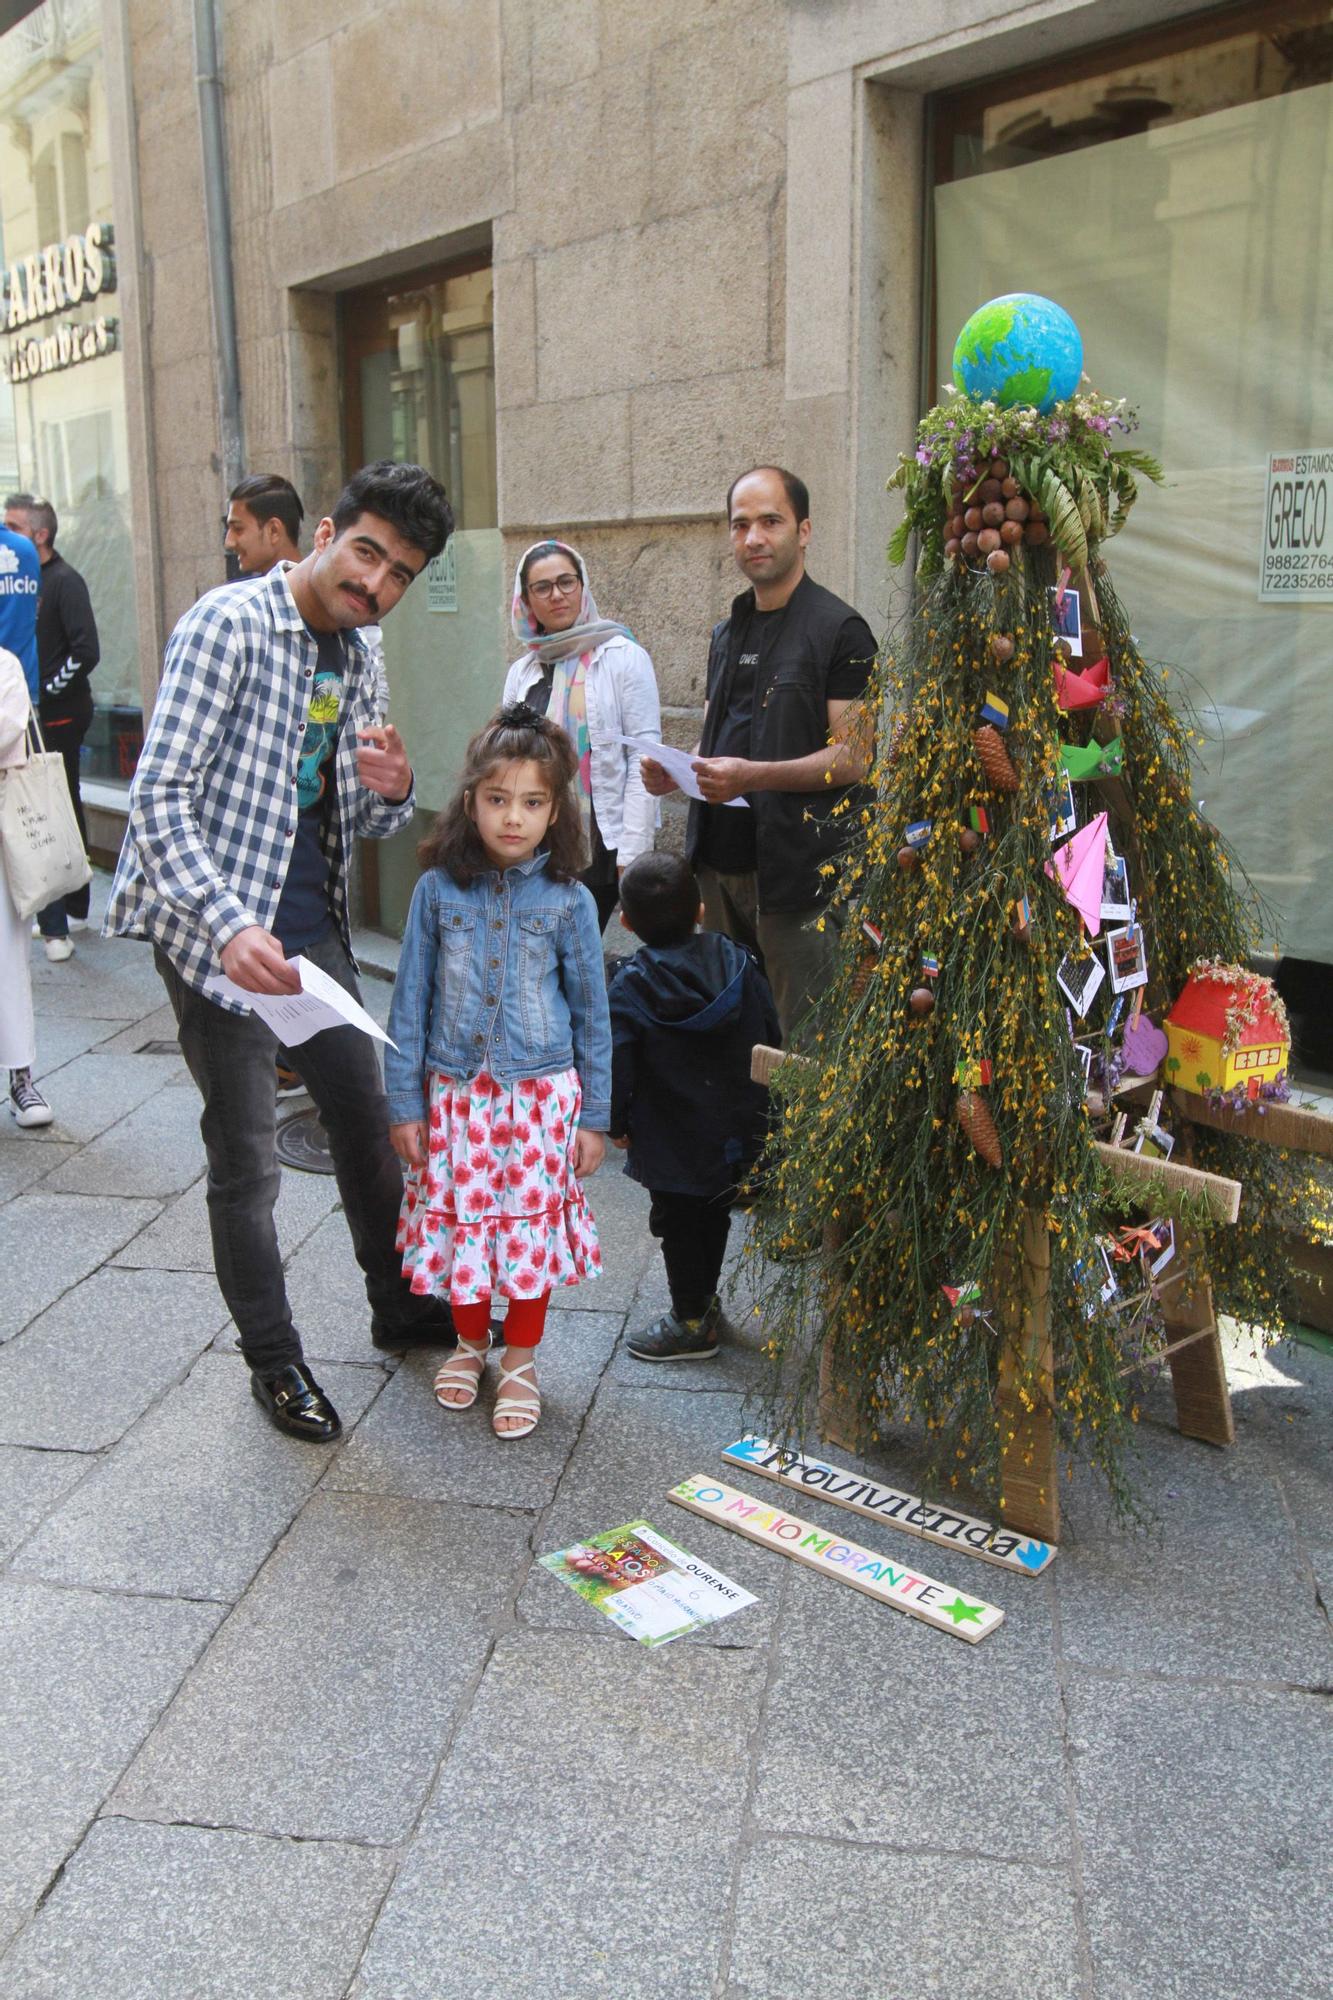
{"points": [[457, 1374], [526, 1408]]}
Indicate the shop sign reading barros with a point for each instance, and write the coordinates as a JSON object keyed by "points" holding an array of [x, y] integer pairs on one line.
{"points": [[61, 275]]}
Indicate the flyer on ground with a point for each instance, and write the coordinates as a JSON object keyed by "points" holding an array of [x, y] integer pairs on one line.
{"points": [[648, 1585]]}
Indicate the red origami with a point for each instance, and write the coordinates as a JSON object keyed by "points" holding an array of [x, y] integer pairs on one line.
{"points": [[1082, 690]]}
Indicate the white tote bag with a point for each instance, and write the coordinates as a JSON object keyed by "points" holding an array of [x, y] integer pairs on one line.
{"points": [[39, 835]]}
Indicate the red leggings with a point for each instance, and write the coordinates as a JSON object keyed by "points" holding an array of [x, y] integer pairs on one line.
{"points": [[523, 1326]]}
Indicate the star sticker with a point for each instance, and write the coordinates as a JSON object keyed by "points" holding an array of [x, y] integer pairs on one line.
{"points": [[962, 1612]]}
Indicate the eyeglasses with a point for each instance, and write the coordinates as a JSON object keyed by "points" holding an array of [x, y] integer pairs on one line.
{"points": [[566, 585]]}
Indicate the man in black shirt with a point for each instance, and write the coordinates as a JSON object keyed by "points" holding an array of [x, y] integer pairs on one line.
{"points": [[67, 652], [783, 731]]}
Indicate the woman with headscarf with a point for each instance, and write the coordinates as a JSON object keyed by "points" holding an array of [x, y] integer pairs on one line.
{"points": [[591, 676]]}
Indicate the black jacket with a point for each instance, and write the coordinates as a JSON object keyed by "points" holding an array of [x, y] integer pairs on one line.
{"points": [[67, 644], [794, 833], [683, 1021]]}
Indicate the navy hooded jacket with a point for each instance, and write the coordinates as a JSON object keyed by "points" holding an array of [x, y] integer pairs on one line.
{"points": [[683, 1021]]}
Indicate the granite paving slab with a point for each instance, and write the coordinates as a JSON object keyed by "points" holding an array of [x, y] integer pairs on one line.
{"points": [[322, 1707], [1176, 1600], [131, 1334], [155, 1150], [105, 981], [83, 1677], [62, 1037], [31, 1484], [98, 1090], [870, 1923], [186, 1913], [328, 1296], [922, 1752], [620, 1208], [409, 1445], [179, 1240], [634, 1767], [148, 1517], [26, 1158], [1207, 1825], [636, 1445], [159, 1026], [48, 1242]]}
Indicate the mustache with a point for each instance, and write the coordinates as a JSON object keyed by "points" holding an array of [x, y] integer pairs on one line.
{"points": [[365, 597]]}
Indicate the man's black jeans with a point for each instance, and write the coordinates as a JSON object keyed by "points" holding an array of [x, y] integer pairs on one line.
{"points": [[230, 1057]]}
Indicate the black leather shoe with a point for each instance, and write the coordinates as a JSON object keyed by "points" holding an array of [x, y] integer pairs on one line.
{"points": [[297, 1404], [431, 1330]]}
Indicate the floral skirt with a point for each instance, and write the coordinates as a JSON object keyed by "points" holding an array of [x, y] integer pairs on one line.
{"points": [[496, 1209]]}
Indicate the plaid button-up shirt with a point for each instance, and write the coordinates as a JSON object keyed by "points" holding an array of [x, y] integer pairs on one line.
{"points": [[213, 805]]}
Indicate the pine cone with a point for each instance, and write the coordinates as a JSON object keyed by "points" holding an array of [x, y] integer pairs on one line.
{"points": [[995, 758], [973, 1114], [865, 965]]}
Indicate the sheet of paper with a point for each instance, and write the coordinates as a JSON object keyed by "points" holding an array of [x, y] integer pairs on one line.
{"points": [[646, 1584], [677, 763], [295, 1017]]}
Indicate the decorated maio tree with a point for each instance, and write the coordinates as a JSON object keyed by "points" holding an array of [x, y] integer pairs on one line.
{"points": [[1023, 901]]}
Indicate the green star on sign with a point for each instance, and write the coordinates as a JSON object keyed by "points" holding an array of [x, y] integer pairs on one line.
{"points": [[962, 1612]]}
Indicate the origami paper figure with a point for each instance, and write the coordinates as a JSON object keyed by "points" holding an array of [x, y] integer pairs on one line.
{"points": [[1080, 868], [1082, 690], [1093, 760]]}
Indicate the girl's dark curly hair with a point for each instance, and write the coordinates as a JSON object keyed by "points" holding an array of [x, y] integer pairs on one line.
{"points": [[517, 735]]}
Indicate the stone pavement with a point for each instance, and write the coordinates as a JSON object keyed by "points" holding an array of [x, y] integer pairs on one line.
{"points": [[291, 1724]]}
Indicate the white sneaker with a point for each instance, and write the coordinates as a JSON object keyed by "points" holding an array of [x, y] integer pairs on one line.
{"points": [[27, 1105], [80, 923], [58, 949]]}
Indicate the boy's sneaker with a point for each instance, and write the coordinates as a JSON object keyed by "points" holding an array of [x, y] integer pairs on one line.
{"points": [[672, 1339], [58, 949], [26, 1103]]}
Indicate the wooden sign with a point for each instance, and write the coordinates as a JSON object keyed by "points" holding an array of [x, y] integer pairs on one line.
{"points": [[891, 1583], [886, 1503]]}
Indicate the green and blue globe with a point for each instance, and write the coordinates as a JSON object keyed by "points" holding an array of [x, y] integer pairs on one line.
{"points": [[1019, 351]]}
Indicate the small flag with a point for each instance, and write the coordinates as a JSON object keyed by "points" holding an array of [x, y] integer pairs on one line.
{"points": [[872, 931], [996, 711], [1022, 916], [963, 1295], [973, 1075], [918, 833], [978, 819], [930, 966]]}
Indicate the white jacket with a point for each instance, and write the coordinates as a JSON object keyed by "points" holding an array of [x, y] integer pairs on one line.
{"points": [[622, 698]]}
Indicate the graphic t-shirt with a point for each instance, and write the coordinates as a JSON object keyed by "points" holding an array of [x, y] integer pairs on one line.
{"points": [[304, 911], [20, 571]]}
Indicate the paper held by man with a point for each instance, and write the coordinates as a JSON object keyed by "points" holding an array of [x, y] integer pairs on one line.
{"points": [[295, 1017]]}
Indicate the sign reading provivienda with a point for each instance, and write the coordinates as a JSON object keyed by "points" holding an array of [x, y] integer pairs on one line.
{"points": [[36, 289]]}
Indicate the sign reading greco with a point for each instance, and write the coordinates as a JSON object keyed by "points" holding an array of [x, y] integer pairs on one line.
{"points": [[937, 1604], [887, 1503], [1296, 560]]}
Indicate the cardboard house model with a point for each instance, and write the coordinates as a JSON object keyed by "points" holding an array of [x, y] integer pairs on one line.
{"points": [[1228, 1028]]}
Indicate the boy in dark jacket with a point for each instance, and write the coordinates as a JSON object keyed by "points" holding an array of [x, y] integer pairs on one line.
{"points": [[685, 1012]]}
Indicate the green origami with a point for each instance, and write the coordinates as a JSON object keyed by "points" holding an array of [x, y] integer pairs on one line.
{"points": [[1094, 760]]}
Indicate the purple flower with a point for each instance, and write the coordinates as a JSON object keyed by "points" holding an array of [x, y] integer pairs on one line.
{"points": [[923, 455]]}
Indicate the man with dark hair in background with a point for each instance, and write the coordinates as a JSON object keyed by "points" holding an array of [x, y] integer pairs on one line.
{"points": [[67, 651], [267, 754], [264, 516], [784, 732]]}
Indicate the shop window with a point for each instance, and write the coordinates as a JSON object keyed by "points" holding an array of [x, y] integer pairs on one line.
{"points": [[1175, 194], [419, 384]]}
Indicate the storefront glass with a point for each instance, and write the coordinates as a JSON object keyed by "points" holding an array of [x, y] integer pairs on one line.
{"points": [[419, 384], [1177, 198], [62, 407]]}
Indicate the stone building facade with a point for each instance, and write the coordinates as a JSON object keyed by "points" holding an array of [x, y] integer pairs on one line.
{"points": [[690, 237]]}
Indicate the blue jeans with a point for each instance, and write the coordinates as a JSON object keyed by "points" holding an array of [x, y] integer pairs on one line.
{"points": [[230, 1057]]}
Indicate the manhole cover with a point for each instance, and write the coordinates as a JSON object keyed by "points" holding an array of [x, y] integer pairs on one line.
{"points": [[172, 1048], [304, 1144]]}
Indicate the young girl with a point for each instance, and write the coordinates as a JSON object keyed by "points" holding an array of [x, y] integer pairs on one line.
{"points": [[500, 1087]]}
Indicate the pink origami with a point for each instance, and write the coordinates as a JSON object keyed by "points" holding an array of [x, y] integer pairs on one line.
{"points": [[1082, 690], [1080, 868]]}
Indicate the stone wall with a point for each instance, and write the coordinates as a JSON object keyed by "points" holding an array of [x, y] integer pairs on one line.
{"points": [[629, 168]]}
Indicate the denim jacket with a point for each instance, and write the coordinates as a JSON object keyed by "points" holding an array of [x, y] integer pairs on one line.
{"points": [[506, 976]]}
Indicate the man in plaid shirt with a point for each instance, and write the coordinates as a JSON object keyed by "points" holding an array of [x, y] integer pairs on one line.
{"points": [[267, 753]]}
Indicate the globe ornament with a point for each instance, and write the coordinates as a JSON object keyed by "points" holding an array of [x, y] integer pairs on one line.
{"points": [[1019, 351]]}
